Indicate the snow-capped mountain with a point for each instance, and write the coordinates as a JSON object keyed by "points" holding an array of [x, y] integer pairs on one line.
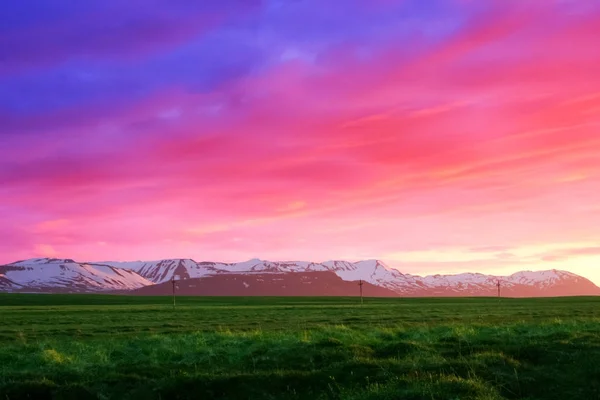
{"points": [[42, 274], [542, 283], [163, 270], [50, 274]]}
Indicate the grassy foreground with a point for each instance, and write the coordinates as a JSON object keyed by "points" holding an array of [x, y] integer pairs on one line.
{"points": [[112, 347]]}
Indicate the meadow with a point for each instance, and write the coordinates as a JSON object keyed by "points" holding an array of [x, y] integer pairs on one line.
{"points": [[122, 347]]}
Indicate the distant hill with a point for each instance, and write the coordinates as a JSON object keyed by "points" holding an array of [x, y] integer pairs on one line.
{"points": [[297, 278], [290, 284]]}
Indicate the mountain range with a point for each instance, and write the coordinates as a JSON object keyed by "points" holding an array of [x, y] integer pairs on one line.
{"points": [[267, 278]]}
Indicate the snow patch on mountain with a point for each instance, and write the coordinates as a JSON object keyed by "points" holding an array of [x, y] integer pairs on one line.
{"points": [[6, 284], [540, 277]]}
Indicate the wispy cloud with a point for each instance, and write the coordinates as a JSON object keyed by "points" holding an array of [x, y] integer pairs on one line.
{"points": [[566, 254]]}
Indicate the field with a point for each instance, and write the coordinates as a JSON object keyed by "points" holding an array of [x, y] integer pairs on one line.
{"points": [[118, 347]]}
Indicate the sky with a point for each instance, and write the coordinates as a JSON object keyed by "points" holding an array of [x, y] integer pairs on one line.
{"points": [[440, 136]]}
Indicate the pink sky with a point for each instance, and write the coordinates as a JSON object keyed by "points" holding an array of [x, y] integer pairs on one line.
{"points": [[468, 140]]}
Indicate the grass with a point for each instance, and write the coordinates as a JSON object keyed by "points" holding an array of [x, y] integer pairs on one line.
{"points": [[119, 347]]}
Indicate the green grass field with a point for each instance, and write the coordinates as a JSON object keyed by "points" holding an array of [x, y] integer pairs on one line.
{"points": [[117, 347]]}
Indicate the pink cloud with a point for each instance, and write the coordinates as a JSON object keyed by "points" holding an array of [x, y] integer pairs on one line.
{"points": [[45, 250], [565, 254], [490, 249]]}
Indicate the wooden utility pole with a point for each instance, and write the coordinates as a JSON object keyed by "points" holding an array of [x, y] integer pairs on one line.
{"points": [[499, 285], [360, 284], [173, 283]]}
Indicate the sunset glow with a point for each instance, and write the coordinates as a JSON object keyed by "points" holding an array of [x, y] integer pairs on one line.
{"points": [[437, 136]]}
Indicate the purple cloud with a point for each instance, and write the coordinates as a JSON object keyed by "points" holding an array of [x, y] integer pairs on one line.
{"points": [[59, 30], [91, 54]]}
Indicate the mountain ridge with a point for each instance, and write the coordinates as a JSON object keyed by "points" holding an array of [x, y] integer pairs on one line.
{"points": [[67, 274]]}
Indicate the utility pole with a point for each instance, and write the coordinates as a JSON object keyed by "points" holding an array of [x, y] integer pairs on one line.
{"points": [[499, 285], [360, 284], [173, 283]]}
